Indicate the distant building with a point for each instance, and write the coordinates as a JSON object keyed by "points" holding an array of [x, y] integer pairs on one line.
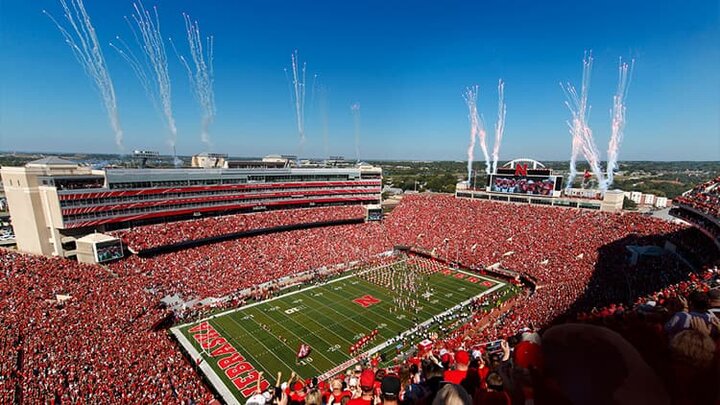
{"points": [[278, 159], [647, 199], [612, 201], [209, 160], [141, 157], [392, 190]]}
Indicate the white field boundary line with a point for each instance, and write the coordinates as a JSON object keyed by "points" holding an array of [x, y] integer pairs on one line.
{"points": [[219, 385], [387, 343]]}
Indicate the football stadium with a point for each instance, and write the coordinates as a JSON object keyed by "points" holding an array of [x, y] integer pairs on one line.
{"points": [[152, 251], [232, 304]]}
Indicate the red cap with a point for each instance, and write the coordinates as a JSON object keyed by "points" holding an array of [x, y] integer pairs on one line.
{"points": [[367, 378], [528, 354], [462, 357], [374, 362], [297, 386]]}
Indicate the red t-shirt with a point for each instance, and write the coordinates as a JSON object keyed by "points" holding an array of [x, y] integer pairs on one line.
{"points": [[483, 374], [455, 376], [297, 397]]}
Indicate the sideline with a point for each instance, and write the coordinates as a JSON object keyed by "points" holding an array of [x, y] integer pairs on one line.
{"points": [[217, 383]]}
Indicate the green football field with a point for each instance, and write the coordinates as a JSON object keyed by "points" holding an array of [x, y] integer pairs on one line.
{"points": [[394, 298]]}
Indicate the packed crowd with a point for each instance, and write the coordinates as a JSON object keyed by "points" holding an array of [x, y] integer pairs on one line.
{"points": [[74, 333], [81, 333], [219, 269], [146, 237], [577, 257], [704, 198]]}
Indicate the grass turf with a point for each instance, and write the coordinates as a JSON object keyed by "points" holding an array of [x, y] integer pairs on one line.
{"points": [[268, 334]]}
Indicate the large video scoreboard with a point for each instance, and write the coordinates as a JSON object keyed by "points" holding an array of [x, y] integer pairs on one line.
{"points": [[521, 180]]}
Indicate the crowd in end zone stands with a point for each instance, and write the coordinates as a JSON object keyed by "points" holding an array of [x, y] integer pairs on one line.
{"points": [[704, 198], [647, 331], [146, 237]]}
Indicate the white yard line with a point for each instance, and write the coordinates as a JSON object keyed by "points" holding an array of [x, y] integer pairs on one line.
{"points": [[301, 340], [387, 343], [267, 348], [292, 293], [343, 316], [328, 328], [371, 323]]}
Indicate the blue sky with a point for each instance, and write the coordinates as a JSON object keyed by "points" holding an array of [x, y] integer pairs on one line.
{"points": [[406, 63]]}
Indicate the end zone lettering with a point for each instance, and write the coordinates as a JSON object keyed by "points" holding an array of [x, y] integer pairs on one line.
{"points": [[242, 374]]}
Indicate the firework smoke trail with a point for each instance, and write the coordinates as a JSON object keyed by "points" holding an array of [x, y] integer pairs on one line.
{"points": [[298, 94], [202, 79], [577, 104], [477, 130], [470, 97], [499, 125], [138, 68], [592, 155], [151, 42], [355, 108], [618, 118], [83, 42], [482, 135]]}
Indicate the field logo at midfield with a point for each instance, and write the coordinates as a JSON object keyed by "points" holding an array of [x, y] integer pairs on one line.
{"points": [[366, 301]]}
